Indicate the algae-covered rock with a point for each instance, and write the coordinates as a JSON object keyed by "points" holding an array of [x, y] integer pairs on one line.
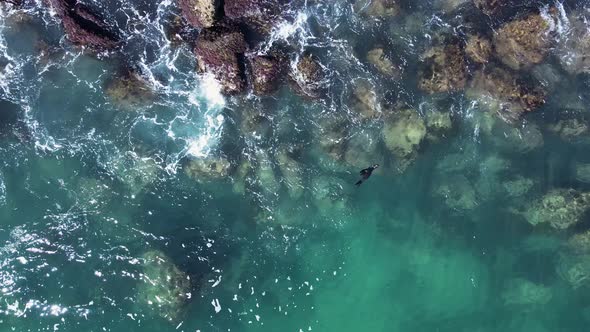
{"points": [[559, 208], [200, 13], [524, 42], [377, 8], [382, 63], [219, 51], [478, 49], [522, 292], [207, 169], [163, 287], [308, 75], [364, 101], [499, 91], [443, 69], [403, 133], [130, 91], [457, 193]]}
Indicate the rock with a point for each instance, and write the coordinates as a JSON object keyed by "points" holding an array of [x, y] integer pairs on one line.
{"points": [[83, 27], [570, 129], [492, 7], [403, 132], [134, 171], [443, 69], [13, 2], [500, 92], [449, 5], [559, 208], [579, 244], [522, 292], [382, 63], [241, 177], [438, 124], [364, 101], [516, 139], [220, 51], [163, 287], [362, 150], [457, 193], [130, 91], [332, 137], [329, 196], [308, 76], [524, 42], [259, 15], [574, 269], [206, 169], [377, 8], [582, 172], [478, 49], [200, 13], [267, 74], [574, 50], [292, 174], [518, 187]]}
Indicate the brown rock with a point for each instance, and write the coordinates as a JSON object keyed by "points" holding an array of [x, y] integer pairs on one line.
{"points": [[443, 69], [267, 74], [478, 49], [523, 42], [309, 76]]}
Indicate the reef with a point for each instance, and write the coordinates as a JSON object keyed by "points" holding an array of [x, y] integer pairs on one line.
{"points": [[83, 27], [163, 287], [364, 102]]}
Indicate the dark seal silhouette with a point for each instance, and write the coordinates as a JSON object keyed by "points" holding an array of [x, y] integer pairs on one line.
{"points": [[366, 173]]}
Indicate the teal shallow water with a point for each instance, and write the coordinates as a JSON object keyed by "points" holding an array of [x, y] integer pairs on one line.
{"points": [[101, 228]]}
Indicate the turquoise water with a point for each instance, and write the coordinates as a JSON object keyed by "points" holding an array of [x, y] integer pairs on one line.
{"points": [[103, 229]]}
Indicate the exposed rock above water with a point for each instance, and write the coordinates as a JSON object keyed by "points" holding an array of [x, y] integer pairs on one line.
{"points": [[267, 73], [83, 27], [220, 51], [200, 13]]}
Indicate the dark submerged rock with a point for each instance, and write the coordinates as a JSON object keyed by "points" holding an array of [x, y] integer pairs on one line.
{"points": [[220, 51], [83, 27], [308, 76]]}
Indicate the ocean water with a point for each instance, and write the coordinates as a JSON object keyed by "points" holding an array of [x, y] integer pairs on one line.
{"points": [[103, 229]]}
